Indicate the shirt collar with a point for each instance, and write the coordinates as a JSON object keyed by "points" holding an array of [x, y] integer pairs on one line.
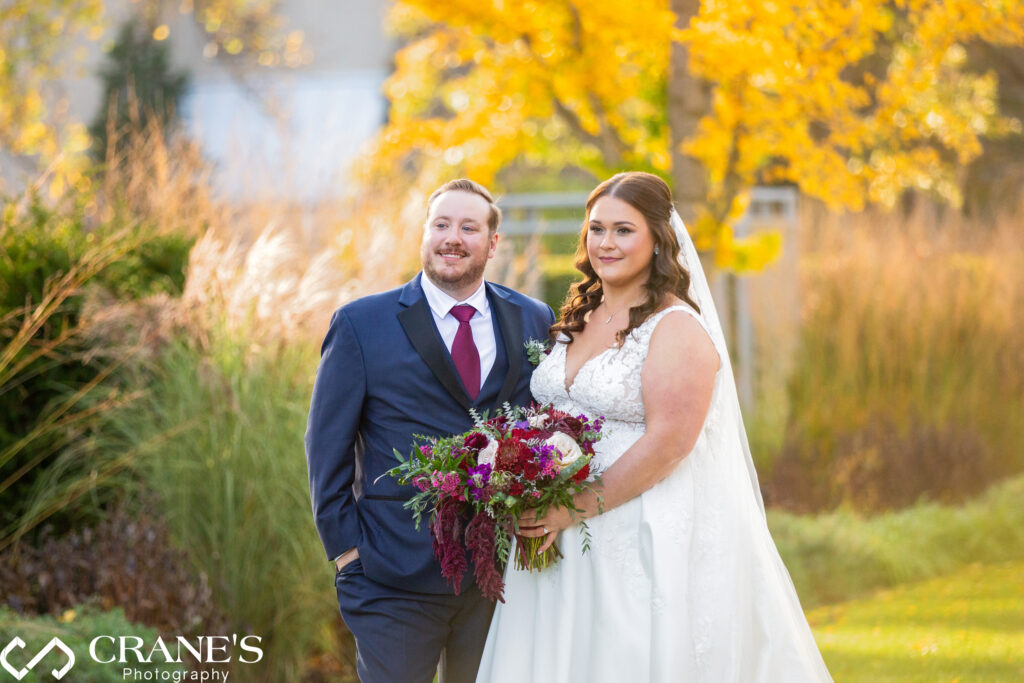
{"points": [[441, 303]]}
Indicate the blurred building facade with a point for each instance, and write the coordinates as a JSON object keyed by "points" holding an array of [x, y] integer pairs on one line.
{"points": [[290, 133], [286, 132]]}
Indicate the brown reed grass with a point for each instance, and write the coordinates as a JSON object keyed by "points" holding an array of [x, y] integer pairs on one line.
{"points": [[267, 269], [909, 378]]}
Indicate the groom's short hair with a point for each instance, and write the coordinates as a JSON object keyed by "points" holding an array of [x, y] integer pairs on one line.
{"points": [[467, 185]]}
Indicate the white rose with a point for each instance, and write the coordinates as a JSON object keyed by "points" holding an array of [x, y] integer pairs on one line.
{"points": [[566, 448], [488, 453], [538, 421]]}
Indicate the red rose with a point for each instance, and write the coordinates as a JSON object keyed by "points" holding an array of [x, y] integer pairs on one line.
{"points": [[498, 422], [582, 474], [571, 426], [475, 441], [515, 489]]}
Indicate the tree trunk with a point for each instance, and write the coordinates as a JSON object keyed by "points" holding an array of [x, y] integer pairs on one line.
{"points": [[689, 99]]}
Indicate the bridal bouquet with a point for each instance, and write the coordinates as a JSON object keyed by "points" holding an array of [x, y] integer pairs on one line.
{"points": [[477, 484]]}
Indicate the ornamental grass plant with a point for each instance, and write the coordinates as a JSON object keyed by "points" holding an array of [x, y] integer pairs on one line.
{"points": [[908, 376]]}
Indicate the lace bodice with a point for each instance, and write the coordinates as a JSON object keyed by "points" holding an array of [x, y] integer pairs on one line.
{"points": [[608, 384]]}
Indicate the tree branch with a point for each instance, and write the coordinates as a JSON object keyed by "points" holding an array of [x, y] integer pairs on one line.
{"points": [[612, 148]]}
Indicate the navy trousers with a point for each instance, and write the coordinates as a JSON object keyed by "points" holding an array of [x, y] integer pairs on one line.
{"points": [[402, 636]]}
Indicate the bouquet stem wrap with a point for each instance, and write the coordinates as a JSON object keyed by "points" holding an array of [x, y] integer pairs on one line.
{"points": [[527, 557]]}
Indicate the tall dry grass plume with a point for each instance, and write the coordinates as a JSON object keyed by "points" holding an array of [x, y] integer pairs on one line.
{"points": [[909, 378], [157, 175], [269, 269]]}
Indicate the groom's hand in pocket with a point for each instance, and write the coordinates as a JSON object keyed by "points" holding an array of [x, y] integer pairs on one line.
{"points": [[346, 557]]}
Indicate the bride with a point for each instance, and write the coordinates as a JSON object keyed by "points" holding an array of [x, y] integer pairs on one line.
{"points": [[682, 581]]}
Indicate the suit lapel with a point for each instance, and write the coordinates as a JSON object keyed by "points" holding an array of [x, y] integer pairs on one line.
{"points": [[510, 319], [418, 323]]}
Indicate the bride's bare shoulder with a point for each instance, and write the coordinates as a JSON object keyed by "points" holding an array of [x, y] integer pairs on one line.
{"points": [[670, 301], [683, 335]]}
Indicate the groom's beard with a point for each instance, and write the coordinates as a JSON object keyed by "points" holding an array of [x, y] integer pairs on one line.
{"points": [[470, 273]]}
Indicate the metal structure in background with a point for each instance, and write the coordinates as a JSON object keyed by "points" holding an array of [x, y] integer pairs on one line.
{"points": [[549, 213], [775, 208]]}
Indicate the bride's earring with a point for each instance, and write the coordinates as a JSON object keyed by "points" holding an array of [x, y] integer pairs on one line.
{"points": [[655, 251]]}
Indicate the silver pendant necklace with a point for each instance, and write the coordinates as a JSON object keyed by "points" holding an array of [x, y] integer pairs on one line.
{"points": [[609, 318]]}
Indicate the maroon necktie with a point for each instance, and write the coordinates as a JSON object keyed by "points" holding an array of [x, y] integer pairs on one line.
{"points": [[464, 353]]}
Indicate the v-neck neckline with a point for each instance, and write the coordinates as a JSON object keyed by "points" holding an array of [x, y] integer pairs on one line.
{"points": [[565, 361], [567, 387]]}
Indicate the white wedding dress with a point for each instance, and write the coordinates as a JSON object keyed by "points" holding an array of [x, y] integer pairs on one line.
{"points": [[682, 583]]}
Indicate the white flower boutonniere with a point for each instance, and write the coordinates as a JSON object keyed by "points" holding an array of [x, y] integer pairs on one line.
{"points": [[536, 350]]}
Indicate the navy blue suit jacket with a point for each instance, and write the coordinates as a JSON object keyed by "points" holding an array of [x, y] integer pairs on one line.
{"points": [[384, 376]]}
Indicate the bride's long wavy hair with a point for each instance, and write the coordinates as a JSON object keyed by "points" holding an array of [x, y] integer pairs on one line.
{"points": [[651, 196]]}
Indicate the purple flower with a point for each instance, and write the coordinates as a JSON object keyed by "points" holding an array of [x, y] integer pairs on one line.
{"points": [[480, 474], [478, 480]]}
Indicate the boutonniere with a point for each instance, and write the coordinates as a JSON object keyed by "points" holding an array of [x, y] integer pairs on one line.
{"points": [[536, 350]]}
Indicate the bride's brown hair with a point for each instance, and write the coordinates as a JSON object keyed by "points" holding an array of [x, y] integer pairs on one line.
{"points": [[651, 196]]}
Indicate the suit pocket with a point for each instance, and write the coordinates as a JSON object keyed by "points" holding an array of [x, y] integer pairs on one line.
{"points": [[350, 569]]}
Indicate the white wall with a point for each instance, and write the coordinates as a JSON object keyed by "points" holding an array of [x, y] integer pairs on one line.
{"points": [[300, 152]]}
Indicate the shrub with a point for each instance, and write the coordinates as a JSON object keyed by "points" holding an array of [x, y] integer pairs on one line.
{"points": [[49, 259], [126, 560], [76, 628]]}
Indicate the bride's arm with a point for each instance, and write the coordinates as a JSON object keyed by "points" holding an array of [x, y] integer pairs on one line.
{"points": [[678, 378]]}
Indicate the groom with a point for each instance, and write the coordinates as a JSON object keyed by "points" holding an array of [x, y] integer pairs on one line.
{"points": [[411, 361]]}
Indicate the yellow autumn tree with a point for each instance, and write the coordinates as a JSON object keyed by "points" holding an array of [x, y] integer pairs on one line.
{"points": [[852, 102], [42, 41], [35, 39]]}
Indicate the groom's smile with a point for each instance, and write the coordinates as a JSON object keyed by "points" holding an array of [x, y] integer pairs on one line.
{"points": [[452, 256]]}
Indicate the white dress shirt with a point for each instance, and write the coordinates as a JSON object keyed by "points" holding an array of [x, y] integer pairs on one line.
{"points": [[483, 328]]}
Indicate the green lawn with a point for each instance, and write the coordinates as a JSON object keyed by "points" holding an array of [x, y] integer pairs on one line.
{"points": [[968, 626]]}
